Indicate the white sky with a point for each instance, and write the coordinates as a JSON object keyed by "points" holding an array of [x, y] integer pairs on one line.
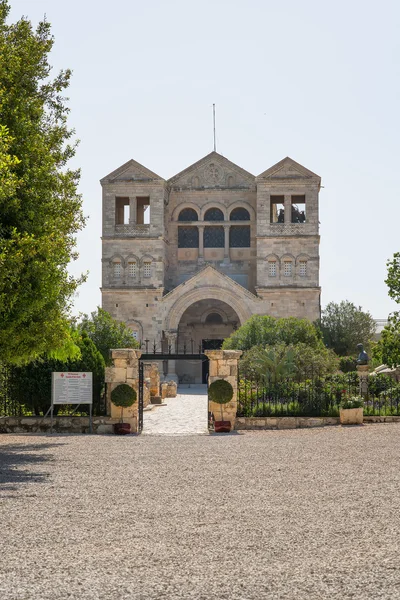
{"points": [[315, 80]]}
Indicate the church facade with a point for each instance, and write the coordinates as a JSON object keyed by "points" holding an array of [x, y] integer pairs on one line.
{"points": [[193, 257]]}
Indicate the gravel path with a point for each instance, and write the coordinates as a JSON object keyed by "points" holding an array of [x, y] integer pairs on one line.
{"points": [[183, 415], [302, 514]]}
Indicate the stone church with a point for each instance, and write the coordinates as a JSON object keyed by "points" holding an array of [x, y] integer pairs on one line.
{"points": [[190, 259]]}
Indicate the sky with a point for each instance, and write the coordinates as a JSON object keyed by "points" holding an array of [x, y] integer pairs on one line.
{"points": [[316, 80]]}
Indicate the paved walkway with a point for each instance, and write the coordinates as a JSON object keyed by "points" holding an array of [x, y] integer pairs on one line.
{"points": [[184, 415]]}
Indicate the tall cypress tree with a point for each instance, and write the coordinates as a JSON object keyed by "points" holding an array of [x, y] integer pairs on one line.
{"points": [[40, 209]]}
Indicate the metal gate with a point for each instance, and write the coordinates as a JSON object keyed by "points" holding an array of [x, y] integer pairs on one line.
{"points": [[140, 406]]}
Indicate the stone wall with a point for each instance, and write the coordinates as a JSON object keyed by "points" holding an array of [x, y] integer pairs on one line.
{"points": [[101, 425], [265, 423]]}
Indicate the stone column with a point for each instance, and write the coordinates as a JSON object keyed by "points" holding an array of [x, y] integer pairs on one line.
{"points": [[132, 210], [125, 369], [201, 244], [224, 365], [363, 373], [226, 246], [288, 208], [172, 337]]}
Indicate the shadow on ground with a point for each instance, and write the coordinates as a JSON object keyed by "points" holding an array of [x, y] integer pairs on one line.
{"points": [[18, 461]]}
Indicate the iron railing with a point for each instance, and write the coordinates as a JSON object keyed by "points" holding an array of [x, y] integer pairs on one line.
{"points": [[311, 394]]}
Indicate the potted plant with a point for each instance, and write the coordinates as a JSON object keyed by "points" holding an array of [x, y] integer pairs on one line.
{"points": [[124, 396], [221, 392], [351, 410]]}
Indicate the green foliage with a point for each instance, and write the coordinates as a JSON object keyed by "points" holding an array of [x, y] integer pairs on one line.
{"points": [[31, 384], [123, 395], [379, 383], [220, 391], [107, 333], [345, 325], [347, 364], [269, 331], [299, 360], [393, 277], [40, 209], [387, 349], [352, 402]]}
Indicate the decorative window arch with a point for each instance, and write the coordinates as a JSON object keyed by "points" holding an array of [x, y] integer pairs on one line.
{"points": [[146, 264], [136, 328], [117, 266], [214, 214], [188, 214], [212, 311], [132, 263], [288, 262], [214, 318], [239, 214], [302, 265]]}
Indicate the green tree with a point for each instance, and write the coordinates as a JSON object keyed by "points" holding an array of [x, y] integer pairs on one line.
{"points": [[31, 384], [387, 350], [345, 325], [263, 330], [40, 209], [107, 333]]}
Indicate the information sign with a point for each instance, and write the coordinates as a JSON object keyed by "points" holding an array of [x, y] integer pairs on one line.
{"points": [[72, 388]]}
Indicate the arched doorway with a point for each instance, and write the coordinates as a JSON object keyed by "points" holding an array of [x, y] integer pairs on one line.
{"points": [[205, 323]]}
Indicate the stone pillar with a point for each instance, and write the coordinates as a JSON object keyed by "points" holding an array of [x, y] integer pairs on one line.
{"points": [[172, 337], [201, 244], [288, 208], [125, 369], [151, 373], [363, 373], [224, 365], [226, 246], [132, 210]]}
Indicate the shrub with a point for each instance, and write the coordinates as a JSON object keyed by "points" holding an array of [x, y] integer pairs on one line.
{"points": [[352, 402], [123, 395], [347, 364], [220, 391]]}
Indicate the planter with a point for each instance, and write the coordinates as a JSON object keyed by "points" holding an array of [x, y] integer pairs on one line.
{"points": [[222, 426], [122, 428], [351, 416]]}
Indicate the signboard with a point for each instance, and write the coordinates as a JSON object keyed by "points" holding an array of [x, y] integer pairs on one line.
{"points": [[72, 388]]}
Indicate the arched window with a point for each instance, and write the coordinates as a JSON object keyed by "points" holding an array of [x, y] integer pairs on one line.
{"points": [[188, 214], [214, 237], [240, 214], [214, 319], [117, 270], [239, 236], [214, 214], [188, 237]]}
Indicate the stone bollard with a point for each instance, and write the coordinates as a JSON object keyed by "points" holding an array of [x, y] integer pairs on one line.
{"points": [[224, 365], [125, 369], [363, 373]]}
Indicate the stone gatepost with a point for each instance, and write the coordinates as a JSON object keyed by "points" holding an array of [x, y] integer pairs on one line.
{"points": [[224, 365], [125, 369]]}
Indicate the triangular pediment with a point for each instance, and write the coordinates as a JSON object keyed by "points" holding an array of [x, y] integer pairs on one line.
{"points": [[209, 276], [131, 171], [213, 171], [288, 169]]}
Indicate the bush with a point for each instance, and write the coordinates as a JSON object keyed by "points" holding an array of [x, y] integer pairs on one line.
{"points": [[347, 364], [123, 395], [265, 330], [352, 402], [220, 391]]}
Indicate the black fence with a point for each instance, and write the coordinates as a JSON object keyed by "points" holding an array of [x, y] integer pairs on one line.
{"points": [[310, 394]]}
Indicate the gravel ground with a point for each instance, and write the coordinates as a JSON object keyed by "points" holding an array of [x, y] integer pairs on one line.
{"points": [[302, 514]]}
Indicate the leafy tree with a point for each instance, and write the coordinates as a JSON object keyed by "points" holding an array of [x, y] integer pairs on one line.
{"points": [[263, 330], [40, 210], [31, 384], [345, 325], [107, 333], [296, 359], [387, 350]]}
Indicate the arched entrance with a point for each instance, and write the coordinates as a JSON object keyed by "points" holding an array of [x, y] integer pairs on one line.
{"points": [[204, 324]]}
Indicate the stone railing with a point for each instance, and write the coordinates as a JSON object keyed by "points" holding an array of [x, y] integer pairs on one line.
{"points": [[292, 229], [132, 230]]}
